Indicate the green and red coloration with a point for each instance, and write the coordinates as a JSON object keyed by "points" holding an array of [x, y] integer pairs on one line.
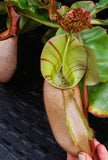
{"points": [[75, 20], [14, 19], [64, 62], [56, 61], [98, 100]]}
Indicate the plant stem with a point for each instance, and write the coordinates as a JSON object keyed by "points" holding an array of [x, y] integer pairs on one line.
{"points": [[32, 15], [85, 101], [51, 8], [80, 38]]}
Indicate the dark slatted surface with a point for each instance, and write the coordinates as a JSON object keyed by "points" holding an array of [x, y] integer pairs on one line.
{"points": [[24, 130]]}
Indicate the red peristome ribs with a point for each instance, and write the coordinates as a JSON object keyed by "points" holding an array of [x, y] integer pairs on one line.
{"points": [[76, 20]]}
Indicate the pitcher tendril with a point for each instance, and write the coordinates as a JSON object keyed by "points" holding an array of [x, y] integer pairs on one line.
{"points": [[14, 27]]}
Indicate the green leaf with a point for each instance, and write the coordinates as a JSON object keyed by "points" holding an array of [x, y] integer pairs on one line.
{"points": [[23, 4], [3, 9], [79, 130], [13, 2], [92, 74], [98, 99], [27, 24], [49, 34], [63, 61], [23, 20], [61, 31], [97, 39], [87, 5], [32, 13], [36, 3], [103, 4]]}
